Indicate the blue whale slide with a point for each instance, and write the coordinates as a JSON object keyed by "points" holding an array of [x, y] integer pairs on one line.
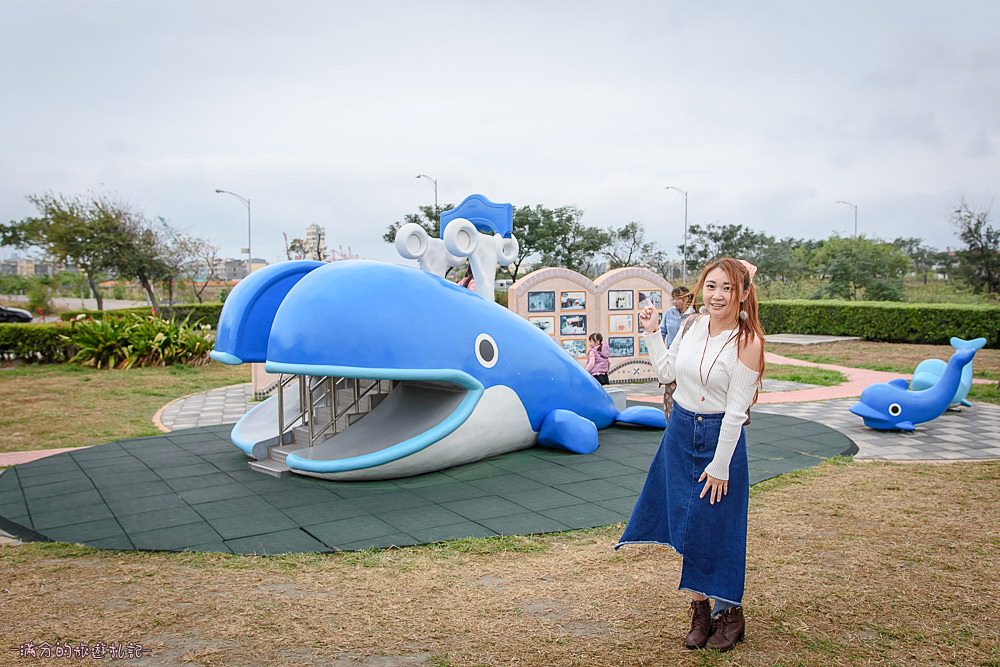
{"points": [[472, 378]]}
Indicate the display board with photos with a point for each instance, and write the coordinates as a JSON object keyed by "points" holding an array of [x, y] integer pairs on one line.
{"points": [[576, 300], [621, 299], [622, 346], [546, 325], [620, 323], [577, 347], [572, 325], [643, 348], [541, 302], [655, 296]]}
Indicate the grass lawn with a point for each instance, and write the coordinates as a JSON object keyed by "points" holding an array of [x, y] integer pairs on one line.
{"points": [[804, 374], [848, 564], [61, 405], [891, 357]]}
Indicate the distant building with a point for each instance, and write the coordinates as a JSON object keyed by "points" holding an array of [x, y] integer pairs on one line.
{"points": [[315, 242]]}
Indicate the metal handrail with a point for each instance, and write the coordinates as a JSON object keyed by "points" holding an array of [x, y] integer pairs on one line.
{"points": [[313, 395]]}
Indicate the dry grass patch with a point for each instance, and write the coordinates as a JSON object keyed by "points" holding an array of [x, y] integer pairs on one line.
{"points": [[848, 564], [892, 357], [63, 405]]}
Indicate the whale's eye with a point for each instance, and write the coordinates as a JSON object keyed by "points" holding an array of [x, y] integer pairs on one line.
{"points": [[895, 409], [486, 350]]}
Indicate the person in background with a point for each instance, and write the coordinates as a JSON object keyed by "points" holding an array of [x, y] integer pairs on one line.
{"points": [[598, 358], [467, 280], [673, 317]]}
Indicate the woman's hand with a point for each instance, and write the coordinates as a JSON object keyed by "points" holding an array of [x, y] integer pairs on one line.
{"points": [[648, 320], [716, 488]]}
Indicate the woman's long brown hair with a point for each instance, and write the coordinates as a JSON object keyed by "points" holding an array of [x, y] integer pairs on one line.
{"points": [[750, 328]]}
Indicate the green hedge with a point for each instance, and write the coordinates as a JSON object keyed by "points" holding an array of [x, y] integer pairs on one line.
{"points": [[932, 323], [200, 313], [37, 343]]}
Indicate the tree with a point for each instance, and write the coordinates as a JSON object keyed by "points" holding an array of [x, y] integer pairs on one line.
{"points": [[921, 256], [191, 257], [856, 265], [67, 229], [426, 218], [627, 246], [563, 240], [712, 241], [979, 262], [137, 250]]}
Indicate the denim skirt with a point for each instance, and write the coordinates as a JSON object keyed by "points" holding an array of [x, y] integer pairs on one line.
{"points": [[712, 539]]}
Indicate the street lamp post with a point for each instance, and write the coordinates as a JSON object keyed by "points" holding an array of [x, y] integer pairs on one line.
{"points": [[684, 259], [435, 184], [246, 202], [855, 207]]}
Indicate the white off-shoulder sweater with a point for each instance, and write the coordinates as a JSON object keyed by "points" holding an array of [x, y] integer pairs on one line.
{"points": [[729, 389]]}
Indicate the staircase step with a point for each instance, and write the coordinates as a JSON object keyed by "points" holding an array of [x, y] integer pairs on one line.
{"points": [[272, 468], [280, 454]]}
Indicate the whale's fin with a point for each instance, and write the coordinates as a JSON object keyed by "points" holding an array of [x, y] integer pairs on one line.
{"points": [[902, 383], [245, 322], [966, 403], [906, 426], [974, 344], [564, 429], [642, 416]]}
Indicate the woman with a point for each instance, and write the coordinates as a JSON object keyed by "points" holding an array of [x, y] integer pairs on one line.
{"points": [[598, 358], [718, 363], [674, 316]]}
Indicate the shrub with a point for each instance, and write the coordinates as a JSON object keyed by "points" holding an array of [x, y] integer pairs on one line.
{"points": [[35, 343], [193, 313], [882, 321], [124, 341], [39, 299]]}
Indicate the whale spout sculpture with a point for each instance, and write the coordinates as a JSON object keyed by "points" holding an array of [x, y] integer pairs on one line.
{"points": [[891, 406], [472, 379], [929, 371]]}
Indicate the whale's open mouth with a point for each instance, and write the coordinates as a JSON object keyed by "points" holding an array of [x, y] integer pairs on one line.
{"points": [[425, 406]]}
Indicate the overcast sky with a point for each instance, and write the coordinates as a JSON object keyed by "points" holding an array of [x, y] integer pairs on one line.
{"points": [[324, 112]]}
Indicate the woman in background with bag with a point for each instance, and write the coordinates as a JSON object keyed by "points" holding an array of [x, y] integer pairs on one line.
{"points": [[697, 490], [674, 318]]}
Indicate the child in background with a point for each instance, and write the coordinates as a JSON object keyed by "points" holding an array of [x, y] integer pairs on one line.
{"points": [[598, 358]]}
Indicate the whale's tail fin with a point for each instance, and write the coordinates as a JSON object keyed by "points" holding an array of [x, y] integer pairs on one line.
{"points": [[974, 344], [642, 416]]}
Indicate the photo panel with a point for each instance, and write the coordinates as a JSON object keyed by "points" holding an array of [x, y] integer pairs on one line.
{"points": [[577, 347], [622, 346], [655, 295], [541, 302], [621, 299], [572, 325], [620, 323], [547, 325], [573, 301], [638, 322], [643, 348]]}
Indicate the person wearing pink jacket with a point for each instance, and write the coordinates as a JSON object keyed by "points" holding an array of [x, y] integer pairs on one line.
{"points": [[598, 358]]}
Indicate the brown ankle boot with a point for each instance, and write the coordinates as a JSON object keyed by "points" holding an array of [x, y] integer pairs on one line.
{"points": [[729, 630], [701, 624]]}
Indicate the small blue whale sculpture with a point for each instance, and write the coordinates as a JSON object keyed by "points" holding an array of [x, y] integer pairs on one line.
{"points": [[890, 406], [473, 378], [929, 371]]}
